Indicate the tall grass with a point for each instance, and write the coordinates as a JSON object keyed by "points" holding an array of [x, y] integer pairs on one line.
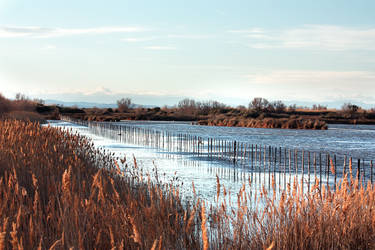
{"points": [[321, 219], [58, 191]]}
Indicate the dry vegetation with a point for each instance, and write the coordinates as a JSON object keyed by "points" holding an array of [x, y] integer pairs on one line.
{"points": [[285, 123], [58, 191], [22, 108], [259, 114], [322, 219]]}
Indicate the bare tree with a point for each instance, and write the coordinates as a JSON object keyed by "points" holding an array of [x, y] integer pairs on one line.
{"points": [[208, 106], [292, 108], [258, 104], [319, 107], [22, 102], [279, 106], [187, 105], [124, 104], [21, 97], [350, 108]]}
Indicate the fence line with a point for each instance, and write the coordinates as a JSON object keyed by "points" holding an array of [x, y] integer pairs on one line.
{"points": [[258, 158]]}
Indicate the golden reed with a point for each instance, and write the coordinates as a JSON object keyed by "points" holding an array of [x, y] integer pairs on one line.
{"points": [[58, 191]]}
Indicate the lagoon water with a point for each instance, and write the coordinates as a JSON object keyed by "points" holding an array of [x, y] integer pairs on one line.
{"points": [[357, 141], [184, 168]]}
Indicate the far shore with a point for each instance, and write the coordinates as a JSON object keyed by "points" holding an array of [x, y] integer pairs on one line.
{"points": [[231, 117]]}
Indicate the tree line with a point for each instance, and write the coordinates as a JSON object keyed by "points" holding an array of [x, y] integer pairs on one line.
{"points": [[258, 104]]}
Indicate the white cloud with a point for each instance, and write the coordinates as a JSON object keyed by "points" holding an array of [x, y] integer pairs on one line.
{"points": [[248, 31], [187, 36], [42, 32], [312, 76], [136, 40], [170, 36], [160, 48], [202, 66], [314, 85], [327, 37], [99, 90]]}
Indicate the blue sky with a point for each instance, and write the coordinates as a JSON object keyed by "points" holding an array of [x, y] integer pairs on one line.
{"points": [[158, 52]]}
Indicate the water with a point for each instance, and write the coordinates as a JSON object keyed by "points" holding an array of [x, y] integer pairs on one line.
{"points": [[186, 167], [357, 141]]}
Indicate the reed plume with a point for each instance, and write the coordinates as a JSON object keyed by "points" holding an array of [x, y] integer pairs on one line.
{"points": [[58, 191]]}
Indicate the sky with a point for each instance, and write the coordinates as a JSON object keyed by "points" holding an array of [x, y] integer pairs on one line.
{"points": [[158, 52]]}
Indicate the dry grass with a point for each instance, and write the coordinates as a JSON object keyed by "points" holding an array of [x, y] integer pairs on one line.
{"points": [[24, 116], [284, 123], [321, 219], [22, 109], [57, 191]]}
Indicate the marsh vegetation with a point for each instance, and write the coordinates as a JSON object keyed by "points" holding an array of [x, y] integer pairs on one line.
{"points": [[59, 191], [260, 113]]}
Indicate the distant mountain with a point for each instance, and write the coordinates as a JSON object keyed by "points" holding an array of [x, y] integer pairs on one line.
{"points": [[90, 104], [332, 104]]}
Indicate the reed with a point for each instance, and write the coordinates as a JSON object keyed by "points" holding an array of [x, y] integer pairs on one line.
{"points": [[58, 191], [319, 219]]}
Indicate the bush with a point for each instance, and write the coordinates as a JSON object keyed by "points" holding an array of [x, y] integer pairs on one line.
{"points": [[124, 104], [350, 108], [258, 104]]}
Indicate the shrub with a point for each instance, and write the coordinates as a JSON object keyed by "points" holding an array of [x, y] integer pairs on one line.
{"points": [[258, 104], [350, 108], [124, 104]]}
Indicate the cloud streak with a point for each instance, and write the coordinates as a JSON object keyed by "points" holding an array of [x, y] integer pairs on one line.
{"points": [[315, 84], [189, 36], [312, 76], [160, 48], [42, 32], [321, 37], [138, 39]]}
